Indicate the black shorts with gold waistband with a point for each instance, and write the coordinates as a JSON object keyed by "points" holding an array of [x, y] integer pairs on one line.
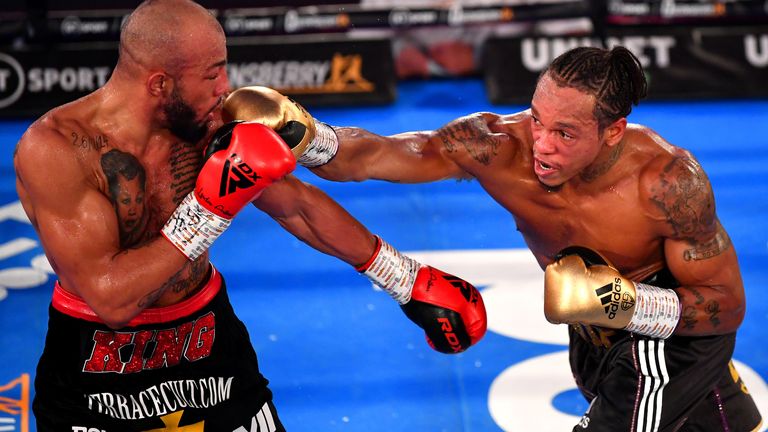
{"points": [[188, 366], [636, 383]]}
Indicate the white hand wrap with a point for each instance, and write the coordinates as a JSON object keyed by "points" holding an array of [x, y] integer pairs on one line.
{"points": [[394, 272], [657, 311], [322, 149], [192, 228]]}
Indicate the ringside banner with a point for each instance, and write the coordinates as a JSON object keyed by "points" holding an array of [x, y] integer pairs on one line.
{"points": [[680, 62], [315, 72]]}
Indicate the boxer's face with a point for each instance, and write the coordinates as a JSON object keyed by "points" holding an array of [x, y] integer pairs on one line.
{"points": [[199, 91], [565, 132]]}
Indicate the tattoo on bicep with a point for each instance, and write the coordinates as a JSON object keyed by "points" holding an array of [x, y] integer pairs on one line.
{"points": [[88, 142], [684, 195], [126, 180], [185, 162], [708, 249], [473, 133]]}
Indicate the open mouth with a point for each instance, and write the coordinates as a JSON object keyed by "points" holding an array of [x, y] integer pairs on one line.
{"points": [[544, 166]]}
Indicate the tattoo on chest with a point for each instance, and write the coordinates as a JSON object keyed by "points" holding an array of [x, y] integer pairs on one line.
{"points": [[87, 142], [473, 133], [126, 181], [185, 162]]}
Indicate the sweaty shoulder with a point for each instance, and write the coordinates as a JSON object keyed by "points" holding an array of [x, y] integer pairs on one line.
{"points": [[674, 188], [49, 155]]}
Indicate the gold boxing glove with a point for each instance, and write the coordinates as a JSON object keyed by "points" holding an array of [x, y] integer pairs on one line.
{"points": [[312, 143], [581, 286]]}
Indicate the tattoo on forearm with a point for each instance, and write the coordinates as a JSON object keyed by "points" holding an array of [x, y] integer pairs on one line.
{"points": [[185, 163], [713, 310], [689, 317], [473, 133], [89, 143], [151, 298], [196, 272], [699, 298]]}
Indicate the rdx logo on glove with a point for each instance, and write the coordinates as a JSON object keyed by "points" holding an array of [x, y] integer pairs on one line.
{"points": [[235, 175]]}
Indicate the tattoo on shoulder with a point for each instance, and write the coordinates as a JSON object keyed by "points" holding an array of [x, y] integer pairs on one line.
{"points": [[684, 195], [88, 142], [472, 132]]}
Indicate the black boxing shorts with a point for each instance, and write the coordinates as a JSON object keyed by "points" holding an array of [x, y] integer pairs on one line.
{"points": [[188, 366], [640, 384]]}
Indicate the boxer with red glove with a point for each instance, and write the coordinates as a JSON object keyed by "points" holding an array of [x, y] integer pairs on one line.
{"points": [[449, 309], [242, 159]]}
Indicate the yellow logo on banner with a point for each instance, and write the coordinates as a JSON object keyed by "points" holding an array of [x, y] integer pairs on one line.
{"points": [[346, 76], [14, 401]]}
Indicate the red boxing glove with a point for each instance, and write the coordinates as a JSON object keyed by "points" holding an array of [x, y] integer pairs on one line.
{"points": [[449, 309], [242, 159]]}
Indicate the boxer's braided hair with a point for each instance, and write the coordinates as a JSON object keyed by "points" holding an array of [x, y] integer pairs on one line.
{"points": [[614, 77]]}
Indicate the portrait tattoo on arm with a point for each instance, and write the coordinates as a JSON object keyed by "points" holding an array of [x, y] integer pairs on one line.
{"points": [[473, 133], [684, 195]]}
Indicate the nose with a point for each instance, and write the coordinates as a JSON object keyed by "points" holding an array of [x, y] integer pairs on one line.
{"points": [[223, 84], [543, 144]]}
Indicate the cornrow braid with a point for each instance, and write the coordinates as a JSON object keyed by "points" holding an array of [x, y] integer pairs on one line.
{"points": [[614, 77]]}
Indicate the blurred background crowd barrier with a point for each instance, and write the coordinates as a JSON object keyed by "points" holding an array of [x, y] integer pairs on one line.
{"points": [[326, 52]]}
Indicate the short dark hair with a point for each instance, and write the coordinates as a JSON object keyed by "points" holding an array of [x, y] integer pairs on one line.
{"points": [[614, 77]]}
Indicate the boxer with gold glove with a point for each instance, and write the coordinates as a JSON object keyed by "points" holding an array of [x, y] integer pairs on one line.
{"points": [[313, 143], [582, 287]]}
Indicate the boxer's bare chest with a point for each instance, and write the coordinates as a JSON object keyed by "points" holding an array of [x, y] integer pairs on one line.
{"points": [[145, 188], [610, 220]]}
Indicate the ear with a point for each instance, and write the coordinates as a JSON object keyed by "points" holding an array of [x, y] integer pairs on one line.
{"points": [[159, 84], [614, 132]]}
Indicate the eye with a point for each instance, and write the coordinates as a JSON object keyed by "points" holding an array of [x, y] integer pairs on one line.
{"points": [[566, 135], [535, 120]]}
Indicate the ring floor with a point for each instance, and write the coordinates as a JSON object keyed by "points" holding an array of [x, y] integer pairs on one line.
{"points": [[341, 356]]}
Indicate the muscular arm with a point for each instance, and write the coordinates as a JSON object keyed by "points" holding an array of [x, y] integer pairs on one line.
{"points": [[452, 151], [316, 219], [699, 252], [78, 229]]}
